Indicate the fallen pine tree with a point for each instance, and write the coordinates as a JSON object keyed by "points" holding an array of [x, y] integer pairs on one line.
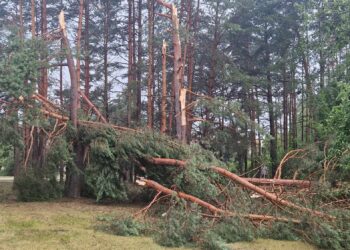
{"points": [[245, 183], [211, 208]]}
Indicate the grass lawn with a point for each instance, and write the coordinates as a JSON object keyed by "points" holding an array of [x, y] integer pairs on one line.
{"points": [[70, 224], [63, 225]]}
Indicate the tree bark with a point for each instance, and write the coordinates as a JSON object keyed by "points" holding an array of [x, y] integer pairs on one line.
{"points": [[139, 64], [43, 85], [294, 112], [106, 86], [74, 176], [273, 134], [180, 116], [252, 133], [164, 90], [80, 28], [32, 15], [21, 24], [285, 110], [87, 49], [191, 62], [150, 81]]}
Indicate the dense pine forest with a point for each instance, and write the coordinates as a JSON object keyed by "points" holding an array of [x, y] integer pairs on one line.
{"points": [[229, 119]]}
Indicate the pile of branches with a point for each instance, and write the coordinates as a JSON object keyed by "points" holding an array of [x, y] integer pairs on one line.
{"points": [[195, 197]]}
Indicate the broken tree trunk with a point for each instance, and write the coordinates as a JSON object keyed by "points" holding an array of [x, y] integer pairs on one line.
{"points": [[215, 210], [72, 71], [245, 183], [178, 71], [78, 45], [74, 178]]}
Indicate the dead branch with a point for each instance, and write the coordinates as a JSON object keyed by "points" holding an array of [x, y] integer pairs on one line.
{"points": [[211, 208], [280, 182], [93, 107], [167, 5], [166, 161], [293, 154], [163, 15], [99, 124], [145, 209], [30, 148]]}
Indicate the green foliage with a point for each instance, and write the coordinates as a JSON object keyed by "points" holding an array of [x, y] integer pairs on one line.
{"points": [[337, 126], [103, 172], [6, 160], [34, 187], [328, 235], [19, 67], [58, 155], [235, 229], [126, 227], [9, 134], [212, 241], [121, 226], [180, 226], [278, 231], [111, 154]]}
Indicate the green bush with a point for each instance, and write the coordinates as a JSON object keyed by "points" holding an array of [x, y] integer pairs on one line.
{"points": [[180, 226], [235, 229], [123, 227], [278, 231], [212, 241], [30, 187], [126, 227]]}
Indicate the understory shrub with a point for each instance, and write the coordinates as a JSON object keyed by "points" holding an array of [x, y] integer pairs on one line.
{"points": [[235, 229], [212, 241], [180, 226], [278, 231], [31, 187], [126, 227], [120, 226]]}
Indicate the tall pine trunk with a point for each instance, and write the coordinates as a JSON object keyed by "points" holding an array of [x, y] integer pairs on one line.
{"points": [[272, 120], [139, 63], [105, 60], [87, 49], [150, 80]]}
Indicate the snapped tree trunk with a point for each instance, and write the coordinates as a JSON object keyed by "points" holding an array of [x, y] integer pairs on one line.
{"points": [[74, 174]]}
